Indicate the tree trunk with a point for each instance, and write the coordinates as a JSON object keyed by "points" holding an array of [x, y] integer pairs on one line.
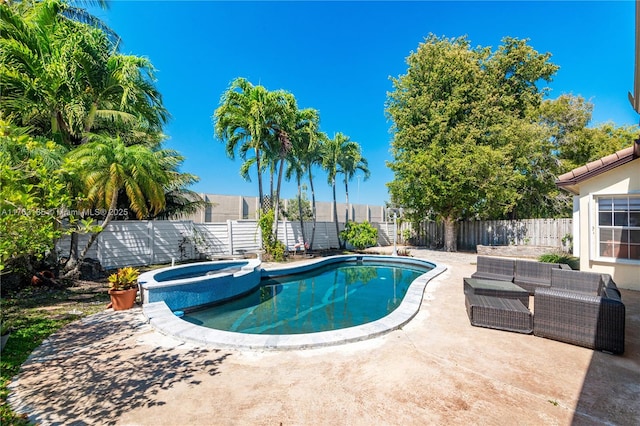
{"points": [[73, 252], [450, 237], [260, 192], [304, 239], [72, 272], [271, 176], [277, 200], [313, 209], [346, 191], [335, 213]]}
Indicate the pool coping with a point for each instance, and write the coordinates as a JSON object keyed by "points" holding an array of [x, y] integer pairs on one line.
{"points": [[163, 319]]}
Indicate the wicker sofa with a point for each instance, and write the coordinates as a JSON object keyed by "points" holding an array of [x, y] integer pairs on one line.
{"points": [[581, 308], [531, 275], [527, 274], [495, 268]]}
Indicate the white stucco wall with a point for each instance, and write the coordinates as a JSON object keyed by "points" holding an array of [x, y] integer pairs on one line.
{"points": [[622, 180]]}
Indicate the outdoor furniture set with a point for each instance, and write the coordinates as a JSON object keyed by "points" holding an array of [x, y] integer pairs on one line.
{"points": [[581, 308]]}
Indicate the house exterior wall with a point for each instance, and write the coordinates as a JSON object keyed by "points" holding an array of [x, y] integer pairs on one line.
{"points": [[622, 180]]}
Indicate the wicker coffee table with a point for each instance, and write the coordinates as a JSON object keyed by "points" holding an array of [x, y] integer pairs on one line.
{"points": [[498, 313], [499, 289]]}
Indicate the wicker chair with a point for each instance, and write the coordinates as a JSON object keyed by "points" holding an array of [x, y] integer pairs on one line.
{"points": [[495, 268], [581, 308]]}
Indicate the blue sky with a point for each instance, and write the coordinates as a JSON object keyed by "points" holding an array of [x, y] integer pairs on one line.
{"points": [[338, 56]]}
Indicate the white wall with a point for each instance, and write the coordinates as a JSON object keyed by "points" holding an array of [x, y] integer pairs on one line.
{"points": [[622, 180]]}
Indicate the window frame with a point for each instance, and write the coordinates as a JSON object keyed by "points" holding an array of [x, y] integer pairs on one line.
{"points": [[597, 228]]}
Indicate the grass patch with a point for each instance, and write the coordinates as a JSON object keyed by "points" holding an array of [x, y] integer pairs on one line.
{"points": [[34, 314]]}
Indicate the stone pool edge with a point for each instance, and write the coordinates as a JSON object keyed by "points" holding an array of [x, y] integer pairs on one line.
{"points": [[162, 318]]}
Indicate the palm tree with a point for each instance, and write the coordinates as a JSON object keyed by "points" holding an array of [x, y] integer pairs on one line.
{"points": [[242, 122], [350, 162], [303, 142], [108, 167], [334, 151], [312, 158], [64, 79], [284, 123], [123, 99]]}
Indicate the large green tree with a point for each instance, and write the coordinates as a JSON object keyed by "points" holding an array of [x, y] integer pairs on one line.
{"points": [[575, 140], [64, 79], [459, 115]]}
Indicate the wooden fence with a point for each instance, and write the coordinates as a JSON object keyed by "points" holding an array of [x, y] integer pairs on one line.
{"points": [[135, 243], [470, 234]]}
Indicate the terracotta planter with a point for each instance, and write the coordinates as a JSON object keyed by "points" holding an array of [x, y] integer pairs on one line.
{"points": [[123, 299]]}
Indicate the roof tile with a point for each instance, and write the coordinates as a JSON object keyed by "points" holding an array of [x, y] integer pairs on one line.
{"points": [[599, 166]]}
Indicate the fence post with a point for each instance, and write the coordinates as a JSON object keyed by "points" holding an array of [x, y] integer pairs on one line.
{"points": [[150, 240], [230, 236], [193, 240], [284, 231]]}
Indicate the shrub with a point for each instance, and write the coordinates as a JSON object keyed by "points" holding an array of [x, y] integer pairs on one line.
{"points": [[125, 279], [572, 261], [360, 235], [273, 248]]}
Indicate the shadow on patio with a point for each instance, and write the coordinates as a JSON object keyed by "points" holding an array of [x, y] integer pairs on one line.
{"points": [[598, 400], [94, 375]]}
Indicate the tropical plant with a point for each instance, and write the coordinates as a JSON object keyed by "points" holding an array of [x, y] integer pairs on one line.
{"points": [[285, 122], [351, 162], [360, 235], [334, 152], [241, 122], [304, 141], [64, 79], [108, 167], [313, 157], [32, 194], [273, 247], [124, 279]]}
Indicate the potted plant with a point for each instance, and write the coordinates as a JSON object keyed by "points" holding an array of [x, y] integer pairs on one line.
{"points": [[123, 288], [5, 331]]}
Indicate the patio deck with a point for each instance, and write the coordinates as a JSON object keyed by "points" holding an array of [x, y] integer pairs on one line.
{"points": [[438, 369]]}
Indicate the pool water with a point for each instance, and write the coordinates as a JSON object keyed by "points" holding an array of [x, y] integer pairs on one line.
{"points": [[328, 298]]}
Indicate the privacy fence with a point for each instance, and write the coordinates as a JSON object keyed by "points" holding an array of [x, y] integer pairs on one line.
{"points": [[535, 232], [125, 243]]}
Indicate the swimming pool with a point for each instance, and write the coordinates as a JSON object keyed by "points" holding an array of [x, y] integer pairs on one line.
{"points": [[161, 316], [330, 297]]}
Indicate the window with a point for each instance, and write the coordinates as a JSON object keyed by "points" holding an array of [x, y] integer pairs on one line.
{"points": [[619, 227]]}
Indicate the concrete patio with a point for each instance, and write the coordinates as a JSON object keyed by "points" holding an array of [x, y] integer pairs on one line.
{"points": [[113, 368]]}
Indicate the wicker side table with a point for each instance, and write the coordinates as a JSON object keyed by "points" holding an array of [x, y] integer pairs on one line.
{"points": [[500, 289]]}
